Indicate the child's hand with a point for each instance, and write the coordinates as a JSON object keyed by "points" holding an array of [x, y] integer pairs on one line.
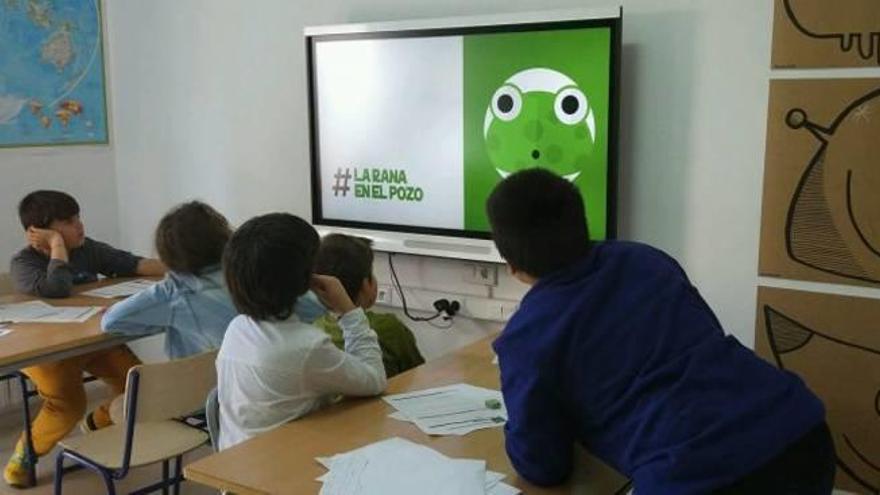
{"points": [[43, 239], [330, 291]]}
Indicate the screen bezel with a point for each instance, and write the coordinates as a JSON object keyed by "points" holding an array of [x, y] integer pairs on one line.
{"points": [[612, 23]]}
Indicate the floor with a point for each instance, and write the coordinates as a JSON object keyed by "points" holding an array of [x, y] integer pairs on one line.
{"points": [[82, 482]]}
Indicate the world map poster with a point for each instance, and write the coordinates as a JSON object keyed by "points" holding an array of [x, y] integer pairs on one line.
{"points": [[52, 84]]}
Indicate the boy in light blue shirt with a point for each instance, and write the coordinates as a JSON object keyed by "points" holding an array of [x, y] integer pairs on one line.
{"points": [[191, 304]]}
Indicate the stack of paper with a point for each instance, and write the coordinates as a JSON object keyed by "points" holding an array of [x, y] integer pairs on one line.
{"points": [[452, 410], [398, 466], [123, 289], [40, 312]]}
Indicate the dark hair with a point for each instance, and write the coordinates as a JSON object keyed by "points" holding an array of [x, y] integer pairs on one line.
{"points": [[538, 222], [191, 237], [40, 208], [348, 258], [268, 264]]}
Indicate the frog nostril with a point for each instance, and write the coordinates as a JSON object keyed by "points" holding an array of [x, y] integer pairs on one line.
{"points": [[536, 154]]}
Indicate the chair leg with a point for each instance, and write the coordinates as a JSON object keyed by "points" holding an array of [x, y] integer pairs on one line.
{"points": [[178, 474], [29, 453], [59, 472], [82, 462], [165, 476], [108, 482]]}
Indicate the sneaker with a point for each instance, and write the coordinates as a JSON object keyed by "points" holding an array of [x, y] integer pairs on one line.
{"points": [[18, 470], [88, 423]]}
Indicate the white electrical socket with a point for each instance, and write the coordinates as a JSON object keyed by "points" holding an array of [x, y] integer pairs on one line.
{"points": [[481, 274], [385, 295]]}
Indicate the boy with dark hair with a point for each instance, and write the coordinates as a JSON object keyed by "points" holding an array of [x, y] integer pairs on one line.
{"points": [[613, 348], [59, 256], [191, 305], [350, 259], [273, 367]]}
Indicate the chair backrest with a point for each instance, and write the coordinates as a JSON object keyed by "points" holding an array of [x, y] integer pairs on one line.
{"points": [[170, 389], [212, 417], [6, 287]]}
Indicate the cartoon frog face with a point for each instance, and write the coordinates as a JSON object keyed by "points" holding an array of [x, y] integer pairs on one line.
{"points": [[540, 118]]}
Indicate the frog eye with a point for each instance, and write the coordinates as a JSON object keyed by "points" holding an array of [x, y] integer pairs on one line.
{"points": [[506, 103], [571, 106]]}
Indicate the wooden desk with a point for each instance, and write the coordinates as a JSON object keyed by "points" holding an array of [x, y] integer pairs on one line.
{"points": [[33, 343], [283, 461]]}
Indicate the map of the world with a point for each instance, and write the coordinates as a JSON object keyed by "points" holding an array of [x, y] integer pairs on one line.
{"points": [[51, 73]]}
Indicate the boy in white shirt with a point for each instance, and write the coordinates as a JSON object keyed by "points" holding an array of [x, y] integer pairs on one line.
{"points": [[273, 367]]}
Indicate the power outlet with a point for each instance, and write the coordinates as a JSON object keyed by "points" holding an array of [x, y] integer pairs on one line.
{"points": [[385, 295], [481, 274]]}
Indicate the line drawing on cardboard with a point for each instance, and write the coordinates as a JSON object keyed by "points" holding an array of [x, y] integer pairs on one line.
{"points": [[866, 40], [833, 220], [786, 337]]}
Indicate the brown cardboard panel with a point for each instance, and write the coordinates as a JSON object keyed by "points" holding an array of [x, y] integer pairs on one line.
{"points": [[833, 343], [821, 210], [825, 33]]}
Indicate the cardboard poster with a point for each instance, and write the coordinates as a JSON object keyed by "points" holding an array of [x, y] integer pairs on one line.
{"points": [[821, 33], [833, 343], [821, 206]]}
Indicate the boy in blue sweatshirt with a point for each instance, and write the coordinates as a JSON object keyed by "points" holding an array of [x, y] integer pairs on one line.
{"points": [[614, 349]]}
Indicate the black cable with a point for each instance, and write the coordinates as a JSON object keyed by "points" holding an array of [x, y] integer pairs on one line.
{"points": [[396, 282]]}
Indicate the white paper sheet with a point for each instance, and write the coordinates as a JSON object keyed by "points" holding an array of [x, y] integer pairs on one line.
{"points": [[40, 312], [397, 466], [503, 489], [452, 410], [122, 289]]}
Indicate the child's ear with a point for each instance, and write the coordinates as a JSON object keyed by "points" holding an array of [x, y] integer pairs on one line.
{"points": [[521, 275], [369, 292]]}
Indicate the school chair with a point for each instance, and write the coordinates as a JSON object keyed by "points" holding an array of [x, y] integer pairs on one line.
{"points": [[7, 288], [212, 418], [156, 397]]}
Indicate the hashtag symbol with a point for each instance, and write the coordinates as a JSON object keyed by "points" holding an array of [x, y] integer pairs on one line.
{"points": [[341, 185]]}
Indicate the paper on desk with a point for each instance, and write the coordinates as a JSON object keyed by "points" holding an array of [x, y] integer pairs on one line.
{"points": [[40, 312], [122, 289], [452, 410], [399, 466], [503, 489], [493, 478]]}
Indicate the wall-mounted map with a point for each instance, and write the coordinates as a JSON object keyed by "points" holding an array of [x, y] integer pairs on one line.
{"points": [[822, 33], [833, 343], [51, 73], [821, 212]]}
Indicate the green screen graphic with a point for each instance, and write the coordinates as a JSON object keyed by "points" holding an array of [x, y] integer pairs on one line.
{"points": [[537, 99]]}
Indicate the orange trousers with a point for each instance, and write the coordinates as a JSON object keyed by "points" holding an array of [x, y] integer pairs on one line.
{"points": [[64, 397]]}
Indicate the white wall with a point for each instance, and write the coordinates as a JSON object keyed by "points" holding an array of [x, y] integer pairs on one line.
{"points": [[86, 172], [211, 103]]}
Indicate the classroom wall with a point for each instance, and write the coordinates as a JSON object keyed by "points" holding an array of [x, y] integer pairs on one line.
{"points": [[211, 103]]}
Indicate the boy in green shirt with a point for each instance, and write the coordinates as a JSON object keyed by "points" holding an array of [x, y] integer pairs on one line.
{"points": [[350, 259]]}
